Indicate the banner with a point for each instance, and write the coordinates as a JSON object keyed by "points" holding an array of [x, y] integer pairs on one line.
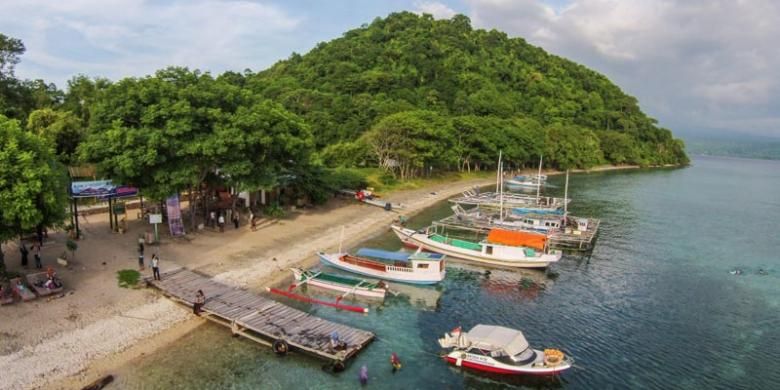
{"points": [[100, 189], [174, 216], [85, 189]]}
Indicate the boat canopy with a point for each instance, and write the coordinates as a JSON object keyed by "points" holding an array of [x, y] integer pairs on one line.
{"points": [[491, 337], [529, 210], [517, 238], [383, 254]]}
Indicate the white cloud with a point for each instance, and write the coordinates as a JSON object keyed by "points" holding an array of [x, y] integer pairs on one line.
{"points": [[688, 61], [438, 10], [117, 38]]}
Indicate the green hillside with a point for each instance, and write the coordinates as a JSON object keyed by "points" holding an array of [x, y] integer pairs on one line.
{"points": [[448, 95]]}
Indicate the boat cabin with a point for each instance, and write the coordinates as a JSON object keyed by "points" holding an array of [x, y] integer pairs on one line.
{"points": [[504, 344], [508, 243], [418, 261]]}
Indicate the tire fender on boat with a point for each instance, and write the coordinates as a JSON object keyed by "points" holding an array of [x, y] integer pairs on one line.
{"points": [[280, 347]]}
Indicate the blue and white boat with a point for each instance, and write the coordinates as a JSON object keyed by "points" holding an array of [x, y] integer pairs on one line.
{"points": [[404, 267]]}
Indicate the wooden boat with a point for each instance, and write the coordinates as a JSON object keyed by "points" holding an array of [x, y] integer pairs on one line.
{"points": [[526, 182], [501, 350], [501, 247], [416, 268], [38, 282], [343, 284], [368, 197]]}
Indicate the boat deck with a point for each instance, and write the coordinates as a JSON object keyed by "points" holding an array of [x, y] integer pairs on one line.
{"points": [[261, 319], [574, 240], [510, 200]]}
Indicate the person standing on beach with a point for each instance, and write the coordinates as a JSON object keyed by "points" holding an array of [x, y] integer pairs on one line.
{"points": [[37, 254], [236, 219], [156, 267], [221, 223], [200, 300], [212, 219], [23, 250]]}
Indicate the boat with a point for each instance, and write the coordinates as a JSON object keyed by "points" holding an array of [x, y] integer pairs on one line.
{"points": [[501, 247], [415, 268], [529, 182], [339, 283], [367, 196], [501, 350]]}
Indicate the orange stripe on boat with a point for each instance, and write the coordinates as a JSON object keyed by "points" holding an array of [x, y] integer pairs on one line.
{"points": [[526, 239]]}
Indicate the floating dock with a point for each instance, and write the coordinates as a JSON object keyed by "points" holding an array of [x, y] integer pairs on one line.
{"points": [[261, 319]]}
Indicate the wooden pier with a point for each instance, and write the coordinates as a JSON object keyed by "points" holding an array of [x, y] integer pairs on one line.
{"points": [[261, 319]]}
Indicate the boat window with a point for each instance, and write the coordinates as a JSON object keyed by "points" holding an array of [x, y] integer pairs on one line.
{"points": [[422, 265], [489, 249]]}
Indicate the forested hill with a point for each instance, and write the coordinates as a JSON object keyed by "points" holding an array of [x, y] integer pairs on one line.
{"points": [[482, 91]]}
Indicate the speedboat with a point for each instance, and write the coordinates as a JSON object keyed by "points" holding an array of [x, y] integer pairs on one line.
{"points": [[501, 350]]}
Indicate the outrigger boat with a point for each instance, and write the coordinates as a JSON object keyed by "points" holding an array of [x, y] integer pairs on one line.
{"points": [[501, 247], [501, 350], [416, 268], [339, 283]]}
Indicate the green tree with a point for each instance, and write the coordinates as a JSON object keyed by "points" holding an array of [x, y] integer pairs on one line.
{"points": [[33, 184], [567, 146], [408, 143], [62, 129]]}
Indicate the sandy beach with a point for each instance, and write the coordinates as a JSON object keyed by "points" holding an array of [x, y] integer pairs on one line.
{"points": [[72, 340]]}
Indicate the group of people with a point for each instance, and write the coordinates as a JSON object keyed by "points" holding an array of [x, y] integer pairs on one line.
{"points": [[155, 260], [36, 249], [219, 220]]}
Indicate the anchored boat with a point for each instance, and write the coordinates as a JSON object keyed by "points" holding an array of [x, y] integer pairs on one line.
{"points": [[339, 283], [415, 268], [502, 247], [501, 350]]}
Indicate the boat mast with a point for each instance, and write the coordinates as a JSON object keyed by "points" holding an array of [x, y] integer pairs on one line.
{"points": [[539, 180], [341, 238], [566, 198], [500, 187]]}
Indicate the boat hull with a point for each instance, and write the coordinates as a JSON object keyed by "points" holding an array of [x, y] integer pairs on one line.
{"points": [[414, 239], [360, 291], [488, 364], [333, 260]]}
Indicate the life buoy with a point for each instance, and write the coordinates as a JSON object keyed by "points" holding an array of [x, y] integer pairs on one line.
{"points": [[280, 347], [553, 357]]}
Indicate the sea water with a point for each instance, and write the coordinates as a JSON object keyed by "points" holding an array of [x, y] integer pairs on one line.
{"points": [[653, 306]]}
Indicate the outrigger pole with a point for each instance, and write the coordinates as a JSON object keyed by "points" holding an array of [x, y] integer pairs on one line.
{"points": [[539, 180]]}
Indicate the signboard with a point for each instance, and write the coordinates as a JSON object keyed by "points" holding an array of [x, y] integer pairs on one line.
{"points": [[119, 208], [155, 218], [174, 216], [100, 189], [83, 189]]}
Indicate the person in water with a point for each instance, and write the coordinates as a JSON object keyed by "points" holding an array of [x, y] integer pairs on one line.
{"points": [[363, 375], [395, 362]]}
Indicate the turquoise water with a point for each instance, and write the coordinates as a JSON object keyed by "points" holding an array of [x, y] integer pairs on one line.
{"points": [[653, 306]]}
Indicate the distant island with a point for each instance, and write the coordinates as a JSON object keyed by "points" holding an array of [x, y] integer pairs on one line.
{"points": [[733, 145]]}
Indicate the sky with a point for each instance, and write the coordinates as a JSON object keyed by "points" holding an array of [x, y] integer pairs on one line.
{"points": [[698, 66]]}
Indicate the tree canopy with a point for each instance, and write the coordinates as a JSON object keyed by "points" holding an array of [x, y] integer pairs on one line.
{"points": [[495, 92], [33, 184]]}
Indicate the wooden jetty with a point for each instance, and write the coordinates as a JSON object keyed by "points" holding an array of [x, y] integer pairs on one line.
{"points": [[261, 319]]}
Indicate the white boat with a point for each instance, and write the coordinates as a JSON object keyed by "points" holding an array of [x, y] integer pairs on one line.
{"points": [[501, 350], [416, 268], [501, 247], [340, 283], [529, 182]]}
